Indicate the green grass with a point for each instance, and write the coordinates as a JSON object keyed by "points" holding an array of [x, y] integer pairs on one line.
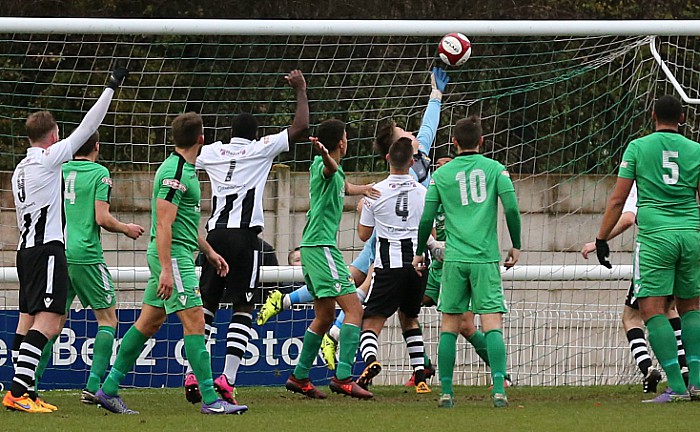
{"points": [[603, 408]]}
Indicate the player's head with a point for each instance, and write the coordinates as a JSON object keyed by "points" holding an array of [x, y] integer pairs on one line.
{"points": [[400, 155], [188, 130], [332, 135], [294, 257], [387, 134], [467, 134], [244, 126], [668, 110], [442, 161], [91, 145], [42, 129]]}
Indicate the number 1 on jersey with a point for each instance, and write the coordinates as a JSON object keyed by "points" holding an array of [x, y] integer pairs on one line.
{"points": [[477, 186], [69, 192]]}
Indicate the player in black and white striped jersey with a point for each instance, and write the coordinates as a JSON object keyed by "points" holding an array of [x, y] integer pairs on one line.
{"points": [[238, 171], [37, 188], [395, 284]]}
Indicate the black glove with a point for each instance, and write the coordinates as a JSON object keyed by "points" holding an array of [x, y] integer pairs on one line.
{"points": [[117, 77], [602, 250]]}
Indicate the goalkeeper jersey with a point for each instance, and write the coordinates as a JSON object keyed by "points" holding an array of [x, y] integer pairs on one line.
{"points": [[85, 182]]}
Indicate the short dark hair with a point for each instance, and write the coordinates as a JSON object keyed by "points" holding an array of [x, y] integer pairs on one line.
{"points": [[401, 153], [330, 133], [244, 125], [291, 253], [89, 145], [668, 109], [187, 128], [385, 137], [468, 132], [39, 124]]}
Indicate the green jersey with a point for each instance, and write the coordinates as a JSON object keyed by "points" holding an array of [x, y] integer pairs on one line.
{"points": [[85, 182], [666, 167], [176, 181], [468, 188], [326, 197]]}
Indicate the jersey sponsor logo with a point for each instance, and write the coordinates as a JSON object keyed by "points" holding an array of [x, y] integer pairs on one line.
{"points": [[172, 183], [226, 152], [432, 181], [623, 164], [48, 301], [266, 140], [505, 173], [107, 181]]}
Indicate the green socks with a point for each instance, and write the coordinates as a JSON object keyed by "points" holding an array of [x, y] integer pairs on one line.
{"points": [[478, 341], [447, 352], [497, 354], [349, 339], [690, 333], [663, 342], [43, 362], [102, 351], [129, 351], [200, 361], [309, 351]]}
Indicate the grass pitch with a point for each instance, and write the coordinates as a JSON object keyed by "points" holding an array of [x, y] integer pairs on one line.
{"points": [[394, 408]]}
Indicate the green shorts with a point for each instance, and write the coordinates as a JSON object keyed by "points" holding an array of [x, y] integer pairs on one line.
{"points": [[432, 288], [93, 285], [185, 289], [667, 263], [478, 283], [325, 272]]}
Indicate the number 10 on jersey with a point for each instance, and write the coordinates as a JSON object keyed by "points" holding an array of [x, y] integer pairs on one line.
{"points": [[477, 186]]}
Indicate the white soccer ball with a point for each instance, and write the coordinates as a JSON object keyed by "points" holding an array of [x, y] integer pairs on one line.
{"points": [[454, 49]]}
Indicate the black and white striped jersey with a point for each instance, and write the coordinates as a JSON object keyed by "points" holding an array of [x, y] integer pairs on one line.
{"points": [[37, 182], [395, 217], [238, 172]]}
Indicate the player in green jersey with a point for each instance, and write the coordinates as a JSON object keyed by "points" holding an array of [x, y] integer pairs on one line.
{"points": [[325, 272], [666, 167], [468, 188], [88, 187], [173, 286]]}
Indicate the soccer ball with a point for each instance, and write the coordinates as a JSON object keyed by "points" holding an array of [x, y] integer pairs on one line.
{"points": [[454, 49]]}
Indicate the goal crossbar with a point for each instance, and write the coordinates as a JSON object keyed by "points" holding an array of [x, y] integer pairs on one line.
{"points": [[350, 27]]}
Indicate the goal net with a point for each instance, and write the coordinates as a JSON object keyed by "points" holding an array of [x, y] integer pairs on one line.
{"points": [[557, 111]]}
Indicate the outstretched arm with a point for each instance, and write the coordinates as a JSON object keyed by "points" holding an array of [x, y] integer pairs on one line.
{"points": [[431, 117], [105, 219], [330, 166], [300, 125], [367, 190]]}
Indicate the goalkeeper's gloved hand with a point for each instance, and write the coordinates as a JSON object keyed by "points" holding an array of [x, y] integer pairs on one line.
{"points": [[602, 250], [439, 79], [117, 77]]}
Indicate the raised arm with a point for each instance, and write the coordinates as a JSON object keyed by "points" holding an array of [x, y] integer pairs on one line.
{"points": [[300, 125], [64, 150], [330, 166], [431, 117]]}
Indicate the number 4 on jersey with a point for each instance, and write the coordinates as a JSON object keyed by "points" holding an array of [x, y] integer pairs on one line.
{"points": [[69, 192]]}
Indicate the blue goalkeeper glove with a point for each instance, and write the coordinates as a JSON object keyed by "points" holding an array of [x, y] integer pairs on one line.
{"points": [[117, 78], [439, 79]]}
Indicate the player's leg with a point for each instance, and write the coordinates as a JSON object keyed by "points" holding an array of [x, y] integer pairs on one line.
{"points": [[43, 271], [687, 292], [634, 329], [369, 346], [276, 302], [654, 281], [411, 288], [489, 302], [192, 319], [241, 283], [476, 338], [342, 382], [453, 301], [675, 320]]}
